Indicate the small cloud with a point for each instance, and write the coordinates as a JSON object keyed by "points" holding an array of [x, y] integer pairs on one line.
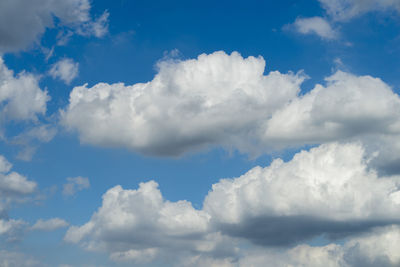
{"points": [[65, 70], [97, 28], [49, 225], [30, 139], [316, 25], [74, 185], [5, 165]]}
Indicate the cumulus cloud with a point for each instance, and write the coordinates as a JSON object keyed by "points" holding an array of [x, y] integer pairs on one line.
{"points": [[226, 100], [74, 185], [376, 248], [138, 225], [14, 187], [13, 183], [65, 69], [22, 22], [328, 191], [20, 96], [344, 10], [216, 99], [315, 25], [369, 111], [49, 225]]}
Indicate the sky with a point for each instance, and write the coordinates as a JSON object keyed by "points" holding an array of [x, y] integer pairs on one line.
{"points": [[199, 133]]}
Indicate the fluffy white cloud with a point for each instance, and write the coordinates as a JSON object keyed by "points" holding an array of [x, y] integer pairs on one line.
{"points": [[65, 69], [23, 21], [49, 225], [315, 25], [349, 107], [329, 189], [74, 185], [139, 225], [225, 100], [13, 183], [20, 96], [13, 187], [342, 10], [216, 99]]}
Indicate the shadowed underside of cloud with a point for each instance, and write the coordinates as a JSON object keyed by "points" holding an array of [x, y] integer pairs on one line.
{"points": [[328, 191], [22, 22]]}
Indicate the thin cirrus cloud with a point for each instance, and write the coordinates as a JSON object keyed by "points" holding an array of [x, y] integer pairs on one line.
{"points": [[344, 10], [73, 15], [75, 184], [49, 225], [328, 190], [226, 100]]}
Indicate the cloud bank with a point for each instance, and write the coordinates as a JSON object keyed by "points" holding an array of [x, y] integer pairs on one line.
{"points": [[226, 100], [328, 191]]}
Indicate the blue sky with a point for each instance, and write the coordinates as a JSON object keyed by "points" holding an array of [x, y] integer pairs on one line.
{"points": [[187, 133]]}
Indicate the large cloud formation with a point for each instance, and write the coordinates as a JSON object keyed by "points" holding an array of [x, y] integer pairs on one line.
{"points": [[329, 190], [138, 225], [226, 100], [216, 99], [22, 22]]}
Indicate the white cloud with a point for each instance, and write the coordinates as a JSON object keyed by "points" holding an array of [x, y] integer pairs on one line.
{"points": [[20, 96], [98, 27], [225, 100], [74, 185], [139, 225], [344, 10], [315, 25], [216, 99], [13, 183], [14, 187], [11, 227], [65, 69], [329, 190], [5, 165], [22, 22], [49, 225], [31, 137], [349, 107]]}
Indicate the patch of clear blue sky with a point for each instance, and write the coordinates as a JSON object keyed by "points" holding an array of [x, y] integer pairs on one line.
{"points": [[141, 32]]}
